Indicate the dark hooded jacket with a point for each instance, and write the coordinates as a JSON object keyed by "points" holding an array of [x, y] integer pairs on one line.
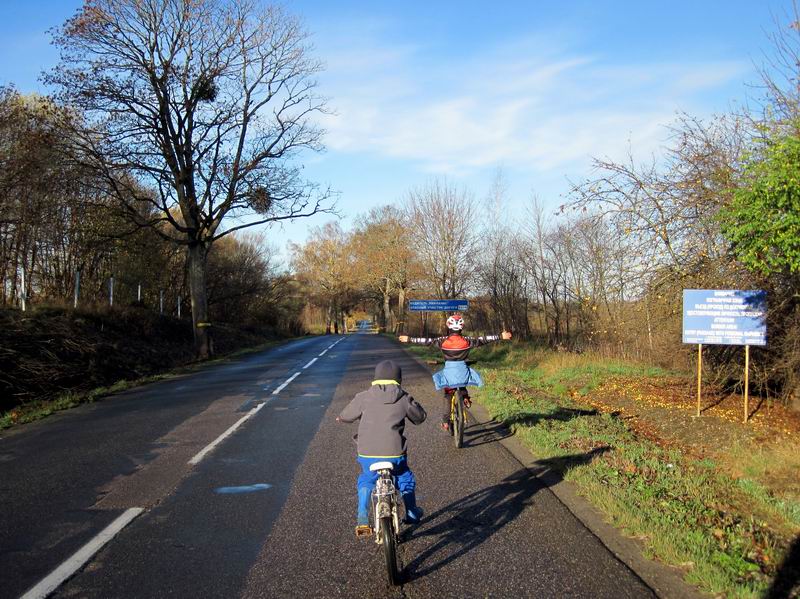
{"points": [[382, 411]]}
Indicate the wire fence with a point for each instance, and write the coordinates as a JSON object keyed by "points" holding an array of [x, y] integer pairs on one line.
{"points": [[114, 291]]}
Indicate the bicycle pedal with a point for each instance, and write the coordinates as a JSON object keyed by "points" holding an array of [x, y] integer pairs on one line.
{"points": [[363, 530]]}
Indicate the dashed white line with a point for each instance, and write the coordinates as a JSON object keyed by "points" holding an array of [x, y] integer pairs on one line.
{"points": [[196, 459], [286, 382], [74, 563], [51, 582]]}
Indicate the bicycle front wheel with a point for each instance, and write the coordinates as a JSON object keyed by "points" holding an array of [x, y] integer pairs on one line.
{"points": [[458, 421], [390, 549]]}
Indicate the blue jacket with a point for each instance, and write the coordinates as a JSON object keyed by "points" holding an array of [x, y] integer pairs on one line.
{"points": [[457, 374]]}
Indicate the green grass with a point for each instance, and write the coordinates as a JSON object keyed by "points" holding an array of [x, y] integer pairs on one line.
{"points": [[728, 535]]}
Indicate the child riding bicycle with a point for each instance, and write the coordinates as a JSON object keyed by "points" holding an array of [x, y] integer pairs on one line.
{"points": [[456, 373], [382, 411]]}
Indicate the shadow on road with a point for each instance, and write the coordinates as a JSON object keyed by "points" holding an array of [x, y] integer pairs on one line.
{"points": [[465, 524], [481, 433]]}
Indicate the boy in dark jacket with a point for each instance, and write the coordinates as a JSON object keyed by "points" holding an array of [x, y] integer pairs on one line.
{"points": [[382, 411]]}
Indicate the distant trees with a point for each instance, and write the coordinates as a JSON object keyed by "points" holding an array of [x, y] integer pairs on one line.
{"points": [[54, 221], [191, 114], [324, 265], [385, 261]]}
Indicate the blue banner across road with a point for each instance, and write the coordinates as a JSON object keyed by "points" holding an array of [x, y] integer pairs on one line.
{"points": [[438, 305], [724, 317]]}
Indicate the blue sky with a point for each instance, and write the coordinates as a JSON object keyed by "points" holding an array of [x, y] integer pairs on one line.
{"points": [[460, 89]]}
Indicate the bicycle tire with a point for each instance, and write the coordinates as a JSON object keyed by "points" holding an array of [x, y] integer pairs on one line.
{"points": [[458, 422], [390, 549]]}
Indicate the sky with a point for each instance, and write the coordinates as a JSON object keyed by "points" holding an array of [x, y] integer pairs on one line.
{"points": [[463, 90]]}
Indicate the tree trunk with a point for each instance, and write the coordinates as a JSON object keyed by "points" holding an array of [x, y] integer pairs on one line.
{"points": [[196, 266], [401, 310], [328, 319], [386, 311]]}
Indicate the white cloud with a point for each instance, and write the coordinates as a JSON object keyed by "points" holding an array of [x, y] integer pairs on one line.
{"points": [[523, 105]]}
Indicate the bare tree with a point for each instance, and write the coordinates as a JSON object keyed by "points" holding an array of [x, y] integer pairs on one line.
{"points": [[444, 232], [385, 261], [201, 102], [779, 73], [501, 271], [670, 206]]}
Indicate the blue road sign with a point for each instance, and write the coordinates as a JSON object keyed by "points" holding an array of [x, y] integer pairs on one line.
{"points": [[724, 317], [438, 305]]}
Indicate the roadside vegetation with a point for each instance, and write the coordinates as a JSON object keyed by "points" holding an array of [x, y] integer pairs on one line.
{"points": [[53, 358], [716, 501]]}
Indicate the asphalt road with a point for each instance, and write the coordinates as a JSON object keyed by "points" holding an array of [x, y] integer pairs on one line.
{"points": [[270, 510]]}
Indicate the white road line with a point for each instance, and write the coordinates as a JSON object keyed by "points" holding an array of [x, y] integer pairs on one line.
{"points": [[310, 363], [196, 459], [286, 382], [329, 347], [80, 557]]}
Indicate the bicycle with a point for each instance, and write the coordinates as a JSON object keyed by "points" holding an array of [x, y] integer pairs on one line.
{"points": [[386, 514], [458, 415]]}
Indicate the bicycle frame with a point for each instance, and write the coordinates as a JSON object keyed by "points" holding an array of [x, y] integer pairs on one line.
{"points": [[458, 415], [454, 399], [385, 502]]}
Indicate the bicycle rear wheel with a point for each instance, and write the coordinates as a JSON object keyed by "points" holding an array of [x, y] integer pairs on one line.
{"points": [[390, 549], [458, 421]]}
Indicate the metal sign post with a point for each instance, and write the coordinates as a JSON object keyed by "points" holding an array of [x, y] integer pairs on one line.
{"points": [[77, 288], [699, 375], [23, 295], [746, 382]]}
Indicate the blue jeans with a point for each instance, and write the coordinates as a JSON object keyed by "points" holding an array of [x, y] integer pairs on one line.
{"points": [[406, 484]]}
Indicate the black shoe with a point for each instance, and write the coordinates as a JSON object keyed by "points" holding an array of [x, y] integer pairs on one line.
{"points": [[414, 516]]}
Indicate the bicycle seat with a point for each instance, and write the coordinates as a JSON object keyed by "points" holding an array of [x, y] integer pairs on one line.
{"points": [[381, 466]]}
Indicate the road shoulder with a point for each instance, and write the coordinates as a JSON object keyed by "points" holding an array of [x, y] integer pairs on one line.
{"points": [[665, 581]]}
